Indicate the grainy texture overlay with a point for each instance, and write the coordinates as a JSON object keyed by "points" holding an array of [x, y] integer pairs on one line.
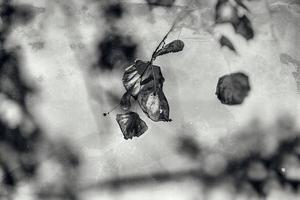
{"points": [[149, 99]]}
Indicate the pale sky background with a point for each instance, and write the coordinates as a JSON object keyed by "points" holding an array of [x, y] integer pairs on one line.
{"points": [[66, 108]]}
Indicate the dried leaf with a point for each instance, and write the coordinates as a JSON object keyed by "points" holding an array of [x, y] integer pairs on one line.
{"points": [[244, 27], [132, 77], [137, 75], [154, 104], [131, 125], [233, 88], [125, 101], [151, 97], [224, 41], [148, 77], [172, 47]]}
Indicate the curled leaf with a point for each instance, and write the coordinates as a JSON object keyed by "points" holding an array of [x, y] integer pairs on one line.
{"points": [[154, 104], [244, 27], [233, 88], [224, 41], [131, 125], [132, 77], [153, 76], [139, 74], [172, 47], [125, 101], [151, 97]]}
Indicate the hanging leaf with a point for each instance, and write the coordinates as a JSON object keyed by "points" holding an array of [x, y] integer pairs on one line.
{"points": [[244, 27], [139, 74], [150, 73], [172, 47], [125, 101], [154, 104], [132, 77], [233, 88], [151, 97], [131, 125], [224, 41]]}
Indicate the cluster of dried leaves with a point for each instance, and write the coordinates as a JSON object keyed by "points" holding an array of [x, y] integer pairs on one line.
{"points": [[143, 82]]}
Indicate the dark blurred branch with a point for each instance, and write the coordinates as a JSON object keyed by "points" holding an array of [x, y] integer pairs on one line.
{"points": [[142, 180]]}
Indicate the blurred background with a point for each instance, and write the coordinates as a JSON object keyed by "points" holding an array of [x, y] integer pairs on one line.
{"points": [[62, 63]]}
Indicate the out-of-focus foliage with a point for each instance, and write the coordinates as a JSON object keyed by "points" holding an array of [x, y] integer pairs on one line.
{"points": [[247, 161], [227, 11], [233, 88], [165, 3], [115, 50], [24, 148], [113, 11]]}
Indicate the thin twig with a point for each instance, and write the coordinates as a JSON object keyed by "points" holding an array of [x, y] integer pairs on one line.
{"points": [[163, 42]]}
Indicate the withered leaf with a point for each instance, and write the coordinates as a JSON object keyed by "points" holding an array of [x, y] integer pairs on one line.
{"points": [[233, 88], [150, 73], [154, 104], [132, 77], [137, 75], [172, 47], [131, 125], [125, 101], [151, 97], [224, 41]]}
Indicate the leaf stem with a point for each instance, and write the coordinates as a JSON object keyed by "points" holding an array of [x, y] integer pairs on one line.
{"points": [[162, 42]]}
